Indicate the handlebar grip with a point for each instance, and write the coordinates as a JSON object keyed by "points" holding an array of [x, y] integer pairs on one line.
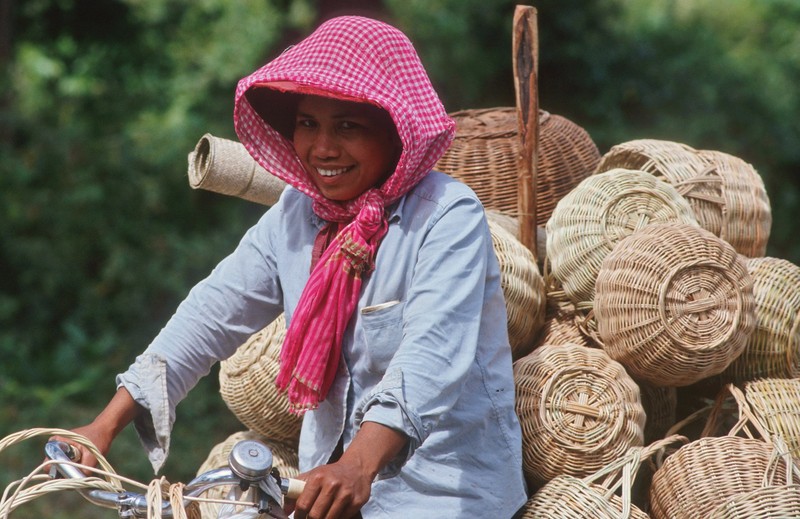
{"points": [[294, 487]]}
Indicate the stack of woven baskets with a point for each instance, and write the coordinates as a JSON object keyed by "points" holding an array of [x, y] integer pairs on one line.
{"points": [[651, 296]]}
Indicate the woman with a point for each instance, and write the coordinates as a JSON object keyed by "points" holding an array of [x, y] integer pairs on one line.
{"points": [[396, 352]]}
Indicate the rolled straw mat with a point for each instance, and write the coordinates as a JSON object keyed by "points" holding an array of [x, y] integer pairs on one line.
{"points": [[225, 167]]}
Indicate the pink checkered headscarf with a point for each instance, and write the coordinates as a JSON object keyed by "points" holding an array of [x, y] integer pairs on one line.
{"points": [[354, 59]]}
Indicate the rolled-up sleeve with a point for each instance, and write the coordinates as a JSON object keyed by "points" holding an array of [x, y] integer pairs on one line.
{"points": [[240, 296]]}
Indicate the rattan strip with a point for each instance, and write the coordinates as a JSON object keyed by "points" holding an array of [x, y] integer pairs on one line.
{"points": [[484, 155], [603, 209], [247, 385], [579, 411], [674, 304], [523, 289], [773, 349], [284, 458]]}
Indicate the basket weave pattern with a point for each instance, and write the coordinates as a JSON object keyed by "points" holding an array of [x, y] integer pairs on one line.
{"points": [[247, 385], [579, 411], [775, 403], [727, 195], [674, 304], [523, 288], [603, 209], [774, 347], [485, 152]]}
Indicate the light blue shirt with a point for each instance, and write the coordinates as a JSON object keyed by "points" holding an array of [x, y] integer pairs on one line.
{"points": [[426, 353]]}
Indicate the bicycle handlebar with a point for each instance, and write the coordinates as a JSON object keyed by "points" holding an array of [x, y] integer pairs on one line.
{"points": [[250, 463]]}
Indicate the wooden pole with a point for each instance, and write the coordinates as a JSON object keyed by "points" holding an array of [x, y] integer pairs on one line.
{"points": [[526, 69]]}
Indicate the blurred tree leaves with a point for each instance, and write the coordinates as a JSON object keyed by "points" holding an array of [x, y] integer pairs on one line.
{"points": [[100, 236]]}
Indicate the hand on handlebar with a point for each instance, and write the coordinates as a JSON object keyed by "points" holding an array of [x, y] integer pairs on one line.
{"points": [[98, 435], [335, 491]]}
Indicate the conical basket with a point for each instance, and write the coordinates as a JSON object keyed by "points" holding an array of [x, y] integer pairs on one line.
{"points": [[486, 148]]}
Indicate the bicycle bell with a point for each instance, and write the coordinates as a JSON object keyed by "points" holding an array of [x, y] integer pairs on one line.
{"points": [[250, 460]]}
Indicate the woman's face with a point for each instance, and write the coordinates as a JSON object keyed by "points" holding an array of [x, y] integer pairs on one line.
{"points": [[346, 147]]}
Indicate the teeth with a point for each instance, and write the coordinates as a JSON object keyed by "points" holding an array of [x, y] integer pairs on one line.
{"points": [[331, 172]]}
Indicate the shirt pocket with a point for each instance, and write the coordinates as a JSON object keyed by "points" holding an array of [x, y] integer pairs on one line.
{"points": [[383, 331]]}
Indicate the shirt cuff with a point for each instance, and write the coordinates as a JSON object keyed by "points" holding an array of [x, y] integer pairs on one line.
{"points": [[146, 381], [386, 405]]}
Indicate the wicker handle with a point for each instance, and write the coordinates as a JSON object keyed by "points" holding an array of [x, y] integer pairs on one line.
{"points": [[622, 473]]}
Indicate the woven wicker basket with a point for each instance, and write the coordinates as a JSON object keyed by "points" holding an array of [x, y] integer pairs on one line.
{"points": [[595, 496], [710, 472], [523, 288], [284, 458], [674, 304], [588, 222], [485, 151], [775, 404], [768, 502], [579, 411], [560, 326], [774, 347], [746, 216], [247, 385], [726, 194]]}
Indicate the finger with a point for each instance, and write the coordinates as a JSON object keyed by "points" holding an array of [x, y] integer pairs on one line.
{"points": [[306, 500]]}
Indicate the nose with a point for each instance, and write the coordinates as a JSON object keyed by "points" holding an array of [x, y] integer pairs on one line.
{"points": [[325, 145]]}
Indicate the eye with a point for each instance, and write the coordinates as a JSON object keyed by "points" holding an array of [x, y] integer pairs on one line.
{"points": [[305, 122], [349, 125]]}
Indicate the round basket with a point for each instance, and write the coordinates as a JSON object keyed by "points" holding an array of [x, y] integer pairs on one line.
{"points": [[707, 472], [568, 497], [775, 403], [284, 458], [588, 222], [560, 326], [247, 385], [773, 349], [746, 215], [523, 288], [579, 411], [727, 195], [485, 151], [674, 304]]}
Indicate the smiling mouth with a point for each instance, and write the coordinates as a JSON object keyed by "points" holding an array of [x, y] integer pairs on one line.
{"points": [[332, 172]]}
